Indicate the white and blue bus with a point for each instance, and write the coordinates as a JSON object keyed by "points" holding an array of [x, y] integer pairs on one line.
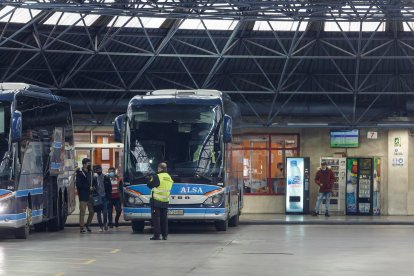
{"points": [[37, 169], [190, 130]]}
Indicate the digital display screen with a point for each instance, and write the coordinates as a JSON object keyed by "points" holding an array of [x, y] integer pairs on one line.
{"points": [[345, 138]]}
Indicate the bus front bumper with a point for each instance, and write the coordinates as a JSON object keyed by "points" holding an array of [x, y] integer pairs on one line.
{"points": [[205, 214], [7, 224]]}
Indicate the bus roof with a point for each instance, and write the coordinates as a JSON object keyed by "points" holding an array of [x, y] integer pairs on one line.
{"points": [[176, 92], [17, 86], [29, 89]]}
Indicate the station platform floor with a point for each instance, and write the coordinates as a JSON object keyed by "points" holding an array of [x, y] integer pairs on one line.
{"points": [[199, 250], [282, 219]]}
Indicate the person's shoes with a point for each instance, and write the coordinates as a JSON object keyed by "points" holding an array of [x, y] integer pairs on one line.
{"points": [[111, 225], [314, 214], [327, 214], [100, 229], [155, 238], [106, 227], [116, 224], [83, 231], [164, 238], [88, 229]]}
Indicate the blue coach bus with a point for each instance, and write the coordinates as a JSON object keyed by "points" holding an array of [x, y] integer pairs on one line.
{"points": [[191, 130], [37, 169]]}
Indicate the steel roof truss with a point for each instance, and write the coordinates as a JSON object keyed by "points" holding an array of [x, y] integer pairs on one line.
{"points": [[186, 69], [248, 103]]}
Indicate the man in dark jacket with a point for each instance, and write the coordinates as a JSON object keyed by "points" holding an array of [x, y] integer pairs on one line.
{"points": [[325, 179], [84, 179]]}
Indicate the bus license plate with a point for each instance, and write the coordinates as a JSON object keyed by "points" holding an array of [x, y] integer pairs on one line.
{"points": [[176, 212]]}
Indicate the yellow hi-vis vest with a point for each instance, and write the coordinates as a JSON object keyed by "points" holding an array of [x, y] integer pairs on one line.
{"points": [[162, 192]]}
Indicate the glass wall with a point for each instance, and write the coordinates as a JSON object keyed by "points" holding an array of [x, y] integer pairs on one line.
{"points": [[99, 147], [264, 161]]}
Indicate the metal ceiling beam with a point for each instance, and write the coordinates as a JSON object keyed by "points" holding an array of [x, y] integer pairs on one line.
{"points": [[233, 9]]}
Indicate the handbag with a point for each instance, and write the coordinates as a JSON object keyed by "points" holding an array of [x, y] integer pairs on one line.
{"points": [[96, 200]]}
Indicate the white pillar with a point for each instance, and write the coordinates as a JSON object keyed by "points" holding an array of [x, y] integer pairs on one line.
{"points": [[398, 146]]}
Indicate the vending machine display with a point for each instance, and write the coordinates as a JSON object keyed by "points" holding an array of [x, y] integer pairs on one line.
{"points": [[360, 194], [297, 190], [338, 166]]}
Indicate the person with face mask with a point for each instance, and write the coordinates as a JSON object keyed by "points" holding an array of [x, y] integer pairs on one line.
{"points": [[325, 179], [84, 184], [115, 200], [102, 188]]}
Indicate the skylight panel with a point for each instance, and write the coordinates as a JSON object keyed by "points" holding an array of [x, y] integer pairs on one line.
{"points": [[408, 26], [66, 19], [89, 19], [20, 15], [120, 21], [221, 25], [280, 26], [152, 22], [6, 10], [354, 26]]}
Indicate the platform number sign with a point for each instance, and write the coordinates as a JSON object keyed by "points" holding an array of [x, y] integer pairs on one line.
{"points": [[372, 135]]}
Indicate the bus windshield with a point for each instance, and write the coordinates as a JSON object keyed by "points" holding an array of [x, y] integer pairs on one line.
{"points": [[5, 155], [188, 137]]}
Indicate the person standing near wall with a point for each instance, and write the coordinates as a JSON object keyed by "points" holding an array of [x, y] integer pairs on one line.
{"points": [[325, 179], [160, 186]]}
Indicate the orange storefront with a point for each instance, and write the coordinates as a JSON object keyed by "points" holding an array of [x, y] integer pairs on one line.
{"points": [[264, 161]]}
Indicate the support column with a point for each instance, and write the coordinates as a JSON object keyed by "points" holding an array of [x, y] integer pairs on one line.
{"points": [[398, 188]]}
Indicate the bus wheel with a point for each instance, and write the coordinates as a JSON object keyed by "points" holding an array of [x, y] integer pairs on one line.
{"points": [[138, 226], [234, 221], [54, 224], [222, 225], [23, 232], [40, 227], [63, 213]]}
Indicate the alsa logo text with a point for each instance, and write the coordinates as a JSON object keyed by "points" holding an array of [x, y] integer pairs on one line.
{"points": [[191, 190]]}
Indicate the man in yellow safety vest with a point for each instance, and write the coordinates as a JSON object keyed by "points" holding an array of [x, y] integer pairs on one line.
{"points": [[160, 185]]}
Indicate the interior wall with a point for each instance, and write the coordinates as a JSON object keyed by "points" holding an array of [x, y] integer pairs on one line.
{"points": [[410, 162], [315, 143]]}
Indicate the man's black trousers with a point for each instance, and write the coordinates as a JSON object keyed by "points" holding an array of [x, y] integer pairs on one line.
{"points": [[160, 221]]}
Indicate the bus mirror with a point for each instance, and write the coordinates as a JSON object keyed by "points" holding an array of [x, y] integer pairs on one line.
{"points": [[16, 131], [228, 129], [119, 128]]}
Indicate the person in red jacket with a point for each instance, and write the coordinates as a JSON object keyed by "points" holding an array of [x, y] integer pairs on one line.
{"points": [[325, 179], [115, 201]]}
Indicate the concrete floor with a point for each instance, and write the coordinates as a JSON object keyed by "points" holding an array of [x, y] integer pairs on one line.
{"points": [[200, 250]]}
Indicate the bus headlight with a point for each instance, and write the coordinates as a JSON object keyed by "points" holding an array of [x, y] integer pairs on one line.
{"points": [[215, 200], [4, 205], [135, 200], [133, 197]]}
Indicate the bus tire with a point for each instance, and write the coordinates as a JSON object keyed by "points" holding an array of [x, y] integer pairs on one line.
{"points": [[63, 212], [138, 226], [40, 227], [54, 224], [222, 225], [23, 232], [234, 221]]}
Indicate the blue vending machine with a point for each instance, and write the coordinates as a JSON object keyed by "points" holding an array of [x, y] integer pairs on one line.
{"points": [[297, 185]]}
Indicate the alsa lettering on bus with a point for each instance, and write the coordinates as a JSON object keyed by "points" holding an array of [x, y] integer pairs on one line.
{"points": [[191, 190]]}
